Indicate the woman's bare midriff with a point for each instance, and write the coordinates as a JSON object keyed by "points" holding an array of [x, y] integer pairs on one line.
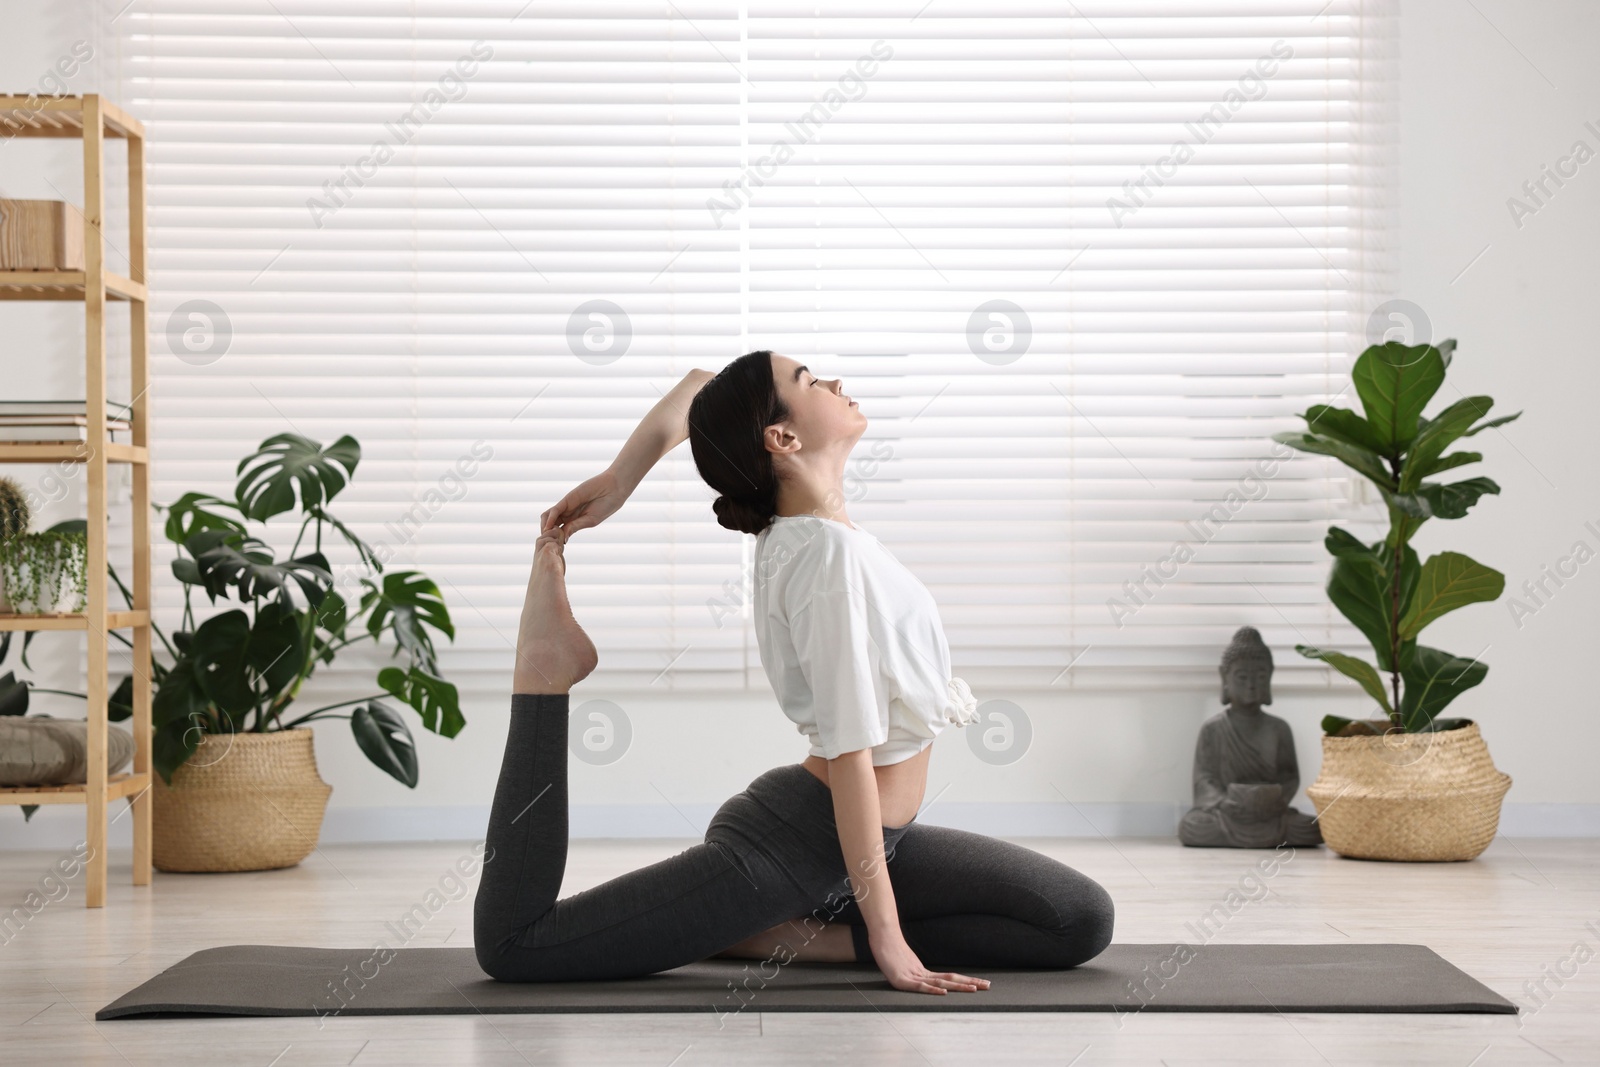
{"points": [[900, 785]]}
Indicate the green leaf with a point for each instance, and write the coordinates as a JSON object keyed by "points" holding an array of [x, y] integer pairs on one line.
{"points": [[1359, 669], [363, 550], [1410, 572], [1332, 724], [1433, 679], [412, 599], [1454, 459], [331, 616], [185, 517], [1435, 500], [1357, 459], [220, 655], [1338, 727], [1359, 586], [1343, 424], [5, 645], [1439, 726], [1439, 434], [383, 735], [179, 714], [173, 743], [13, 695], [1356, 588], [286, 460], [186, 571], [247, 565], [1501, 421], [277, 649], [28, 810], [1449, 581], [434, 698], [1395, 382], [1341, 542], [119, 705]]}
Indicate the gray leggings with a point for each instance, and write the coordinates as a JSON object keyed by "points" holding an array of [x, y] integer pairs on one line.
{"points": [[771, 854]]}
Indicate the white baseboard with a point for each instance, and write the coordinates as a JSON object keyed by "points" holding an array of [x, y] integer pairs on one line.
{"points": [[61, 827], [690, 820], [1045, 819]]}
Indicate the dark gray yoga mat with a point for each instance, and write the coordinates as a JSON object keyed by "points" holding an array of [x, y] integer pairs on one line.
{"points": [[294, 980]]}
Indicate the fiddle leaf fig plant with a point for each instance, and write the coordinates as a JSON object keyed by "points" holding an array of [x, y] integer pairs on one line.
{"points": [[1383, 588], [244, 669]]}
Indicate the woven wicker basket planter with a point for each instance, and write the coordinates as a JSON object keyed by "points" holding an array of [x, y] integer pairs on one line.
{"points": [[242, 802], [1433, 796]]}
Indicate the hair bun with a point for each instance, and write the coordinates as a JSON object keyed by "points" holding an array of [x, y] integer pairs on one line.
{"points": [[741, 516]]}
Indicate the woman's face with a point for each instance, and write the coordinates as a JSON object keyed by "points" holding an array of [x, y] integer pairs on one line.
{"points": [[821, 413]]}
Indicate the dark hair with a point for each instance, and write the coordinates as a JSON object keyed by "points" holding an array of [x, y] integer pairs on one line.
{"points": [[727, 421]]}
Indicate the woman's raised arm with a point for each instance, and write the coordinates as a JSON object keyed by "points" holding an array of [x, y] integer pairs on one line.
{"points": [[664, 427]]}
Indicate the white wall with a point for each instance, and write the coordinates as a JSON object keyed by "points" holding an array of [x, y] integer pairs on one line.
{"points": [[1483, 107], [1477, 119]]}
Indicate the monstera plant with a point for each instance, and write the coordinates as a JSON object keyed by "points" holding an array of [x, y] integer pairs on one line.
{"points": [[1383, 588], [245, 670]]}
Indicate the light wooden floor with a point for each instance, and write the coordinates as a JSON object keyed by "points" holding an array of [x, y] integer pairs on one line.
{"points": [[1505, 918]]}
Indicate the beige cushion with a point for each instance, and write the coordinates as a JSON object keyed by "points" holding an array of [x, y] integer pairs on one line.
{"points": [[39, 750]]}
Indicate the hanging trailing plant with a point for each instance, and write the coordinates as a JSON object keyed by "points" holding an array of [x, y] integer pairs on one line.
{"points": [[37, 570]]}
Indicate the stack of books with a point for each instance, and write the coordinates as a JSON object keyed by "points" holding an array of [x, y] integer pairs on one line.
{"points": [[57, 420]]}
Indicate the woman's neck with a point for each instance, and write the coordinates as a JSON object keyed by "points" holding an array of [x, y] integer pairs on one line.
{"points": [[807, 492]]}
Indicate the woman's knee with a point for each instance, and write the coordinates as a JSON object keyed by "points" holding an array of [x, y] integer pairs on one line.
{"points": [[1091, 920], [1084, 916], [508, 953], [493, 960], [517, 958]]}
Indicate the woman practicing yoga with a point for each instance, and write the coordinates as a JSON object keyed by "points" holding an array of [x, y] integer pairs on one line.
{"points": [[821, 860]]}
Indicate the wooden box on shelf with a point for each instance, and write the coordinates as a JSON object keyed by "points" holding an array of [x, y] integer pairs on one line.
{"points": [[40, 235]]}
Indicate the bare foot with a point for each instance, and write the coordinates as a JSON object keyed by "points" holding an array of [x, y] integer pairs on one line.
{"points": [[792, 941], [553, 652]]}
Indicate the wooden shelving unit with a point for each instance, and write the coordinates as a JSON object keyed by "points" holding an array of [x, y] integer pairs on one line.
{"points": [[94, 119]]}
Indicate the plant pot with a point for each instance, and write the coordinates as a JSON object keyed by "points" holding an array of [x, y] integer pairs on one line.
{"points": [[242, 802], [64, 601], [1400, 796], [60, 590]]}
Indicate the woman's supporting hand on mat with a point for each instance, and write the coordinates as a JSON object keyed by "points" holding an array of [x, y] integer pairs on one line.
{"points": [[553, 652], [904, 971]]}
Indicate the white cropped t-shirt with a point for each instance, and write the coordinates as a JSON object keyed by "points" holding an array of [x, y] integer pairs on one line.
{"points": [[852, 642]]}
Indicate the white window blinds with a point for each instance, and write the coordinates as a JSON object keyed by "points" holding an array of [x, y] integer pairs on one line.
{"points": [[1076, 262]]}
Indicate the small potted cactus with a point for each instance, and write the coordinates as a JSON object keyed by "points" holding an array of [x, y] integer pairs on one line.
{"points": [[15, 515]]}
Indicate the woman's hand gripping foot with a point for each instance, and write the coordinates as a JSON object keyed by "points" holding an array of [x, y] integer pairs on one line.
{"points": [[553, 652]]}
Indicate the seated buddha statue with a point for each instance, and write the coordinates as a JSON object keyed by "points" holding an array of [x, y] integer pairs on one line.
{"points": [[1245, 771]]}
